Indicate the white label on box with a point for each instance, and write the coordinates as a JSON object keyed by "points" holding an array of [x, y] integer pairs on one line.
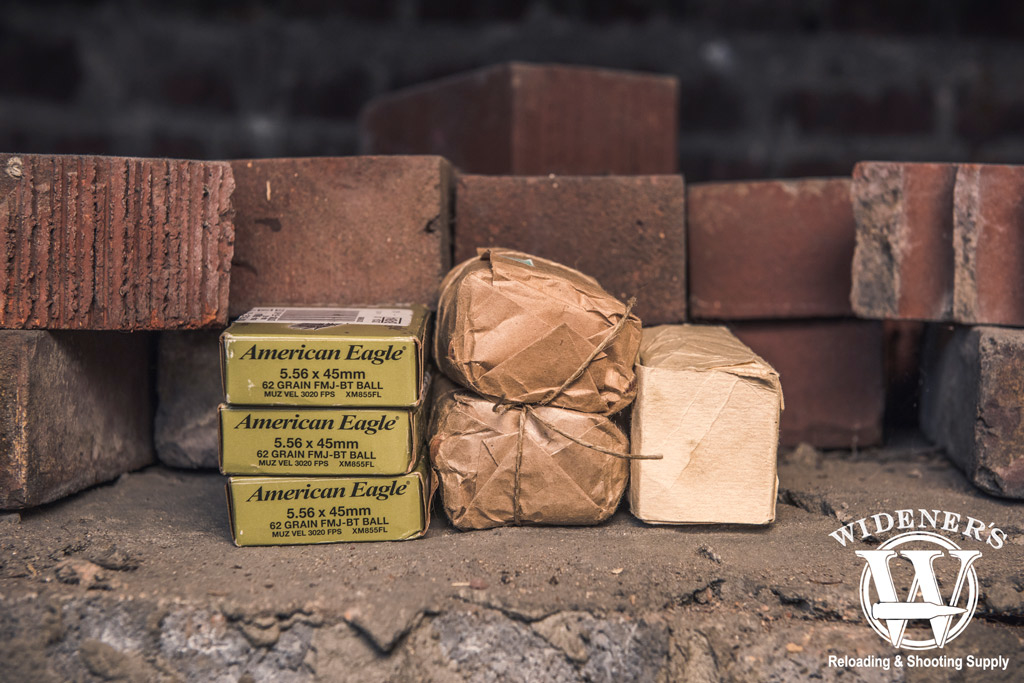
{"points": [[330, 316]]}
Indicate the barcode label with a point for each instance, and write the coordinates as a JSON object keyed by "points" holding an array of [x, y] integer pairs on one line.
{"points": [[315, 318]]}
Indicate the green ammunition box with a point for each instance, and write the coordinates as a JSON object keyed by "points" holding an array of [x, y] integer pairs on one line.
{"points": [[319, 441], [326, 357], [296, 510]]}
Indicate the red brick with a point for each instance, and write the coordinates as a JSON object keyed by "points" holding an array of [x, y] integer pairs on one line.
{"points": [[627, 232], [323, 231], [973, 403], [832, 377], [75, 410], [530, 119], [772, 249], [112, 243], [903, 263], [988, 241]]}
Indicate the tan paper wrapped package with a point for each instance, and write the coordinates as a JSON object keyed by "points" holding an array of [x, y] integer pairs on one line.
{"points": [[515, 327], [710, 407], [501, 465]]}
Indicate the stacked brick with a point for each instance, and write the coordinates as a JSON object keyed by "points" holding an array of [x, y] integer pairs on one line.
{"points": [[829, 280], [533, 119], [939, 242], [309, 232], [95, 247], [903, 264], [530, 141], [944, 243], [102, 246], [188, 393], [772, 260]]}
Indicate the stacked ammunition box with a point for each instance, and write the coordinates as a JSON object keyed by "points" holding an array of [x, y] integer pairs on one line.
{"points": [[322, 426]]}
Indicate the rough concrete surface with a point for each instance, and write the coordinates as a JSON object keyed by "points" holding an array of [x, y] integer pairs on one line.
{"points": [[138, 580]]}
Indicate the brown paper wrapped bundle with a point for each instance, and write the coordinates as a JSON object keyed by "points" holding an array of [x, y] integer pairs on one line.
{"points": [[522, 329], [500, 465]]}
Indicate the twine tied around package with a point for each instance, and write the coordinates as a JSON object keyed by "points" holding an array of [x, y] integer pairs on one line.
{"points": [[530, 409]]}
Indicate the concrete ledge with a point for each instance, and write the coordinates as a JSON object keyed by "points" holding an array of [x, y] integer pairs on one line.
{"points": [[139, 580]]}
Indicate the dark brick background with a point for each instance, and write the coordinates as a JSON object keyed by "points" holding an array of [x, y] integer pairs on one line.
{"points": [[768, 89]]}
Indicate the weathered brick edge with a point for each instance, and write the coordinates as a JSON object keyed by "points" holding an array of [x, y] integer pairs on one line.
{"points": [[903, 262], [988, 243], [114, 243], [939, 242], [75, 410], [971, 403]]}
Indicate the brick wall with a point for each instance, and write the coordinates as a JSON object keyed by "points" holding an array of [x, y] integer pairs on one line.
{"points": [[768, 89]]}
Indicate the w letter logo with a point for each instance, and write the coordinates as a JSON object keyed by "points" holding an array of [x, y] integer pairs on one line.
{"points": [[889, 615]]}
